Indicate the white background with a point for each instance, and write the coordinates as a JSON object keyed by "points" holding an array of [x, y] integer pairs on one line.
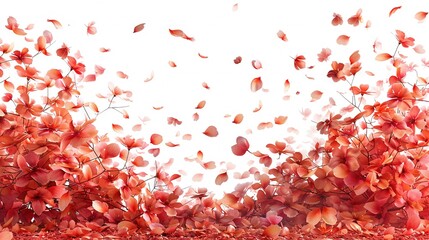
{"points": [[221, 34]]}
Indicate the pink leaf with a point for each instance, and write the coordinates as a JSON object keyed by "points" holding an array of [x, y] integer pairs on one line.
{"points": [[241, 146], [221, 178], [282, 35], [256, 64], [343, 39], [316, 95], [56, 23]]}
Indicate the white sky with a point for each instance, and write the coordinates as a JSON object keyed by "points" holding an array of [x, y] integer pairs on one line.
{"points": [[221, 34]]}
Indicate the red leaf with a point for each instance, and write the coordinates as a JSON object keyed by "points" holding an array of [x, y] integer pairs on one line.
{"points": [[394, 10], [355, 19], [172, 64], [180, 33], [286, 85], [64, 201], [139, 27], [140, 162], [241, 146], [256, 84], [282, 35], [101, 207], [8, 86], [354, 57], [156, 139], [112, 150], [337, 20], [56, 23], [256, 64], [211, 131], [202, 56], [221, 178], [237, 60], [343, 39]]}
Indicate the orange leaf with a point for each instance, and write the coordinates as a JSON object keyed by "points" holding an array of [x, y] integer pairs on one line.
{"points": [[238, 118], [101, 207], [282, 35], [394, 10], [383, 57], [421, 16], [140, 162], [211, 131], [314, 216], [329, 215], [256, 84], [272, 231], [280, 120], [343, 39], [8, 86], [139, 27], [201, 105], [155, 139]]}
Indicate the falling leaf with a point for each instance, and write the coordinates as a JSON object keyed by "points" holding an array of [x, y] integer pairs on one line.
{"points": [[221, 178], [202, 56], [90, 28], [172, 64], [122, 75], [324, 55], [383, 57], [139, 27], [337, 20], [256, 64], [238, 118], [280, 120], [205, 85], [117, 128], [264, 125], [355, 19], [421, 16], [419, 49], [180, 33], [354, 57], [282, 35], [156, 139], [259, 107], [235, 7], [211, 131], [286, 85], [195, 116], [343, 40], [56, 23], [394, 10], [103, 50], [198, 177], [316, 95], [256, 84], [237, 60], [241, 146], [299, 62], [201, 105]]}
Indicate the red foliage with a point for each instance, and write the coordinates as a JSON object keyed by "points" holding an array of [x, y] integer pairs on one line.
{"points": [[61, 174]]}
